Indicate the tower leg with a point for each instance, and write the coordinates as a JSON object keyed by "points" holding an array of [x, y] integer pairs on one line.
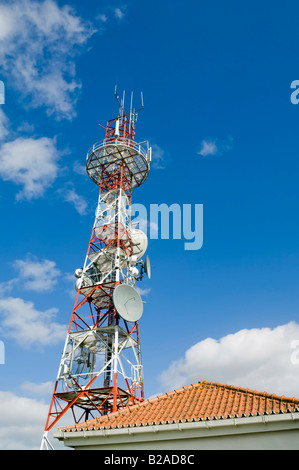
{"points": [[46, 444]]}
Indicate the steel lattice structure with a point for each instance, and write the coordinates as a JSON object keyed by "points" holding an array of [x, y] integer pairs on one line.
{"points": [[101, 369]]}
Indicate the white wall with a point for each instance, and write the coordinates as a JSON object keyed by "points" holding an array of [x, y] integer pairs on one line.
{"points": [[274, 432]]}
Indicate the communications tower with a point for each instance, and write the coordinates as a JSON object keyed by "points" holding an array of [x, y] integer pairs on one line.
{"points": [[100, 369]]}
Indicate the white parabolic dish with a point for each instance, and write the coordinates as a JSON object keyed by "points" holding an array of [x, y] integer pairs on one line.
{"points": [[139, 241], [127, 302]]}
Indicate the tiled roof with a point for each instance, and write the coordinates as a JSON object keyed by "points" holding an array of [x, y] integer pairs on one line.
{"points": [[201, 401]]}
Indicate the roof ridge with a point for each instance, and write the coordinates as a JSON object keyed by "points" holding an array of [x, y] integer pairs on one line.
{"points": [[256, 392], [248, 390]]}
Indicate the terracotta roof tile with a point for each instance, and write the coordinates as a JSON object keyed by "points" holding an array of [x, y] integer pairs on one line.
{"points": [[201, 401]]}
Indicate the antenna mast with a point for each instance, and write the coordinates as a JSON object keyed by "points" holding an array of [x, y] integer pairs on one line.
{"points": [[100, 370]]}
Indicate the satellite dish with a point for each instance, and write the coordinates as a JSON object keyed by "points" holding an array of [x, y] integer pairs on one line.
{"points": [[127, 302], [80, 366], [147, 267], [82, 363], [139, 242]]}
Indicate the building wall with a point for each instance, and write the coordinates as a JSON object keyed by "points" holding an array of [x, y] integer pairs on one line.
{"points": [[247, 433]]}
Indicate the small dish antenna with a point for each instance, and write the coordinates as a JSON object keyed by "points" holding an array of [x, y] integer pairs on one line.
{"points": [[147, 267], [127, 302], [139, 241]]}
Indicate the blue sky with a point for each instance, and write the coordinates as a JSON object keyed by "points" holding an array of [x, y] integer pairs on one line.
{"points": [[216, 79]]}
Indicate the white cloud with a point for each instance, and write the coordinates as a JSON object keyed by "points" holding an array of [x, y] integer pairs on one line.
{"points": [[158, 157], [7, 22], [78, 168], [258, 358], [25, 128], [31, 163], [41, 389], [33, 275], [7, 286], [143, 291], [215, 146], [4, 125], [22, 422], [208, 148], [78, 201], [38, 276], [119, 14], [39, 41], [102, 17], [28, 326]]}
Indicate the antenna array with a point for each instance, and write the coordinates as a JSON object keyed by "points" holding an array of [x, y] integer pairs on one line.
{"points": [[100, 370]]}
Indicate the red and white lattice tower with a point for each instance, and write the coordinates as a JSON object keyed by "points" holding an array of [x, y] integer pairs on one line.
{"points": [[101, 369]]}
